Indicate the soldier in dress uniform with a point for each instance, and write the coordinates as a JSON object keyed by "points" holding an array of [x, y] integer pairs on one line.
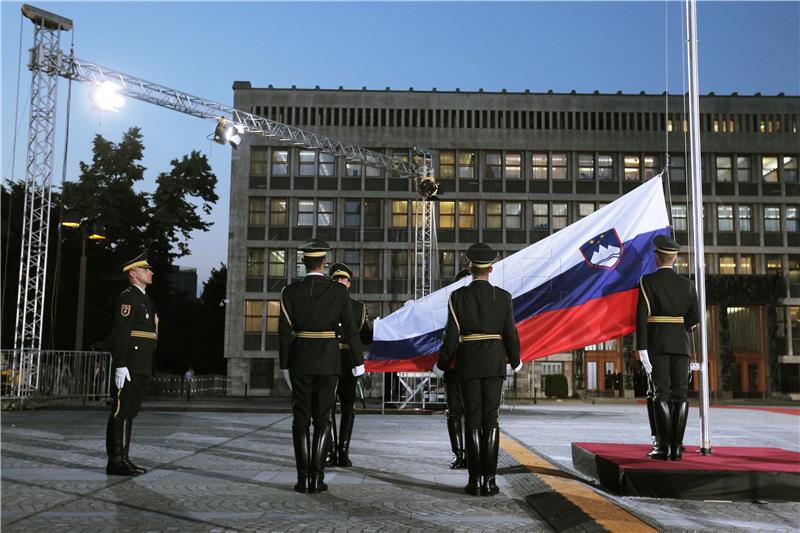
{"points": [[132, 344], [346, 389], [455, 407], [666, 311], [312, 309], [481, 335]]}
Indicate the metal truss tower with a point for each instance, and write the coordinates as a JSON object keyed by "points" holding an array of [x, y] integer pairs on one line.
{"points": [[424, 226]]}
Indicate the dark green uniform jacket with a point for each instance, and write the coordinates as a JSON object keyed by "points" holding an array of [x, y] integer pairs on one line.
{"points": [[132, 341], [480, 308], [314, 307], [364, 334], [666, 310]]}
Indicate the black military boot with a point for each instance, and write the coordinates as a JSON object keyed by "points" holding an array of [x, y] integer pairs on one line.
{"points": [[301, 457], [114, 439], [455, 430], [474, 444], [127, 428], [330, 458], [651, 417], [680, 413], [663, 418], [319, 451], [345, 431], [489, 451]]}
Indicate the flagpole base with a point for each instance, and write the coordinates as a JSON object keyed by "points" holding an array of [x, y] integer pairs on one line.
{"points": [[705, 451]]}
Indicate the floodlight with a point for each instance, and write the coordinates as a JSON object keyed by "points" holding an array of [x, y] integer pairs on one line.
{"points": [[98, 233], [105, 96], [428, 188], [228, 133]]}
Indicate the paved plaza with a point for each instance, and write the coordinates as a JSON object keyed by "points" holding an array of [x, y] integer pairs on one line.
{"points": [[233, 470]]}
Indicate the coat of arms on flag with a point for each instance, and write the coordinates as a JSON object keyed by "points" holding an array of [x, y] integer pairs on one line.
{"points": [[603, 250]]}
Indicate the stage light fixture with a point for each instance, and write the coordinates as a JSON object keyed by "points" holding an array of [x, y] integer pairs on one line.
{"points": [[228, 133]]}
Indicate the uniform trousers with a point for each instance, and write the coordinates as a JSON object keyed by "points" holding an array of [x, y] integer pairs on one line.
{"points": [[313, 398], [455, 401], [128, 399], [346, 391], [670, 377], [481, 401]]}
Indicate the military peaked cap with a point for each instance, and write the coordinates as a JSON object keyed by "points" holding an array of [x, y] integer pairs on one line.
{"points": [[140, 261], [340, 270], [315, 248], [481, 255], [666, 246], [463, 273]]}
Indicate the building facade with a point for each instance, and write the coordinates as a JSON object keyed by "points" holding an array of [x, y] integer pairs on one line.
{"points": [[513, 168]]}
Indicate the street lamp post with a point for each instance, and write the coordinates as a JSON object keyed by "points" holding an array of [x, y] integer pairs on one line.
{"points": [[96, 234]]}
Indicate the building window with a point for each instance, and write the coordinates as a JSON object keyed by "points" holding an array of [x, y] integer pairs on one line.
{"points": [[682, 264], [743, 173], [466, 165], [255, 262], [539, 166], [257, 211], [586, 166], [253, 313], [513, 215], [790, 169], [299, 267], [745, 218], [276, 266], [560, 218], [327, 165], [305, 212], [325, 214], [774, 264], [447, 164], [679, 217], [540, 217], [277, 212], [352, 213], [399, 213], [769, 169], [447, 214], [724, 169], [466, 214], [746, 264], [791, 218], [399, 265], [374, 166], [513, 165], [280, 163], [494, 166], [677, 168], [744, 329], [447, 266], [725, 218], [372, 264], [585, 209], [727, 264], [558, 169], [372, 213], [494, 215], [273, 316], [605, 167], [306, 161], [549, 368], [258, 161], [352, 258], [650, 166], [353, 169], [772, 219], [631, 168]]}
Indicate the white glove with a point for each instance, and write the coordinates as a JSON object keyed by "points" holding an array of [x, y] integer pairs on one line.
{"points": [[438, 372], [358, 370], [121, 374], [286, 378], [645, 359], [519, 367]]}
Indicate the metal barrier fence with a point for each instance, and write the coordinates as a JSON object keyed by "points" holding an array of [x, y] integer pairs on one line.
{"points": [[412, 389], [54, 374], [205, 386]]}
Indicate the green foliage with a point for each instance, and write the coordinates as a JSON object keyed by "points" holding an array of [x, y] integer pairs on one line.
{"points": [[555, 386]]}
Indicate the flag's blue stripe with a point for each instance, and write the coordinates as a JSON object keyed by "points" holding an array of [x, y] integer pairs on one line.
{"points": [[574, 287]]}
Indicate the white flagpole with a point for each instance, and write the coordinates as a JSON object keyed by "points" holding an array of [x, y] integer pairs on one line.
{"points": [[697, 217]]}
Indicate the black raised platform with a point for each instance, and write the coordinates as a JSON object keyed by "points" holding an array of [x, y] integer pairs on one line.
{"points": [[730, 473]]}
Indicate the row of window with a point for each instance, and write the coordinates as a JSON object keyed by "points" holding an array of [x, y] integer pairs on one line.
{"points": [[372, 117], [511, 165], [369, 213]]}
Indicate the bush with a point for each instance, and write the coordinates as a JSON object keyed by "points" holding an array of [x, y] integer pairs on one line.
{"points": [[555, 386]]}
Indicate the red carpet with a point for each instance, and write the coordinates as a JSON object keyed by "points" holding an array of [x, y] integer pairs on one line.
{"points": [[780, 410], [730, 473]]}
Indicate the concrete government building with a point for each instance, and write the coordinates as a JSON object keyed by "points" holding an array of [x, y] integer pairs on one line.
{"points": [[514, 168]]}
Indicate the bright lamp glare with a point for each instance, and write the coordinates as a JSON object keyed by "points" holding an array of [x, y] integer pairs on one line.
{"points": [[105, 97]]}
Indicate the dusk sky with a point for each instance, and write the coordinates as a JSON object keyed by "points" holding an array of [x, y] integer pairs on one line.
{"points": [[201, 48]]}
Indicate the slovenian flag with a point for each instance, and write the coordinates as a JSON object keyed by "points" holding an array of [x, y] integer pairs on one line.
{"points": [[575, 288]]}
